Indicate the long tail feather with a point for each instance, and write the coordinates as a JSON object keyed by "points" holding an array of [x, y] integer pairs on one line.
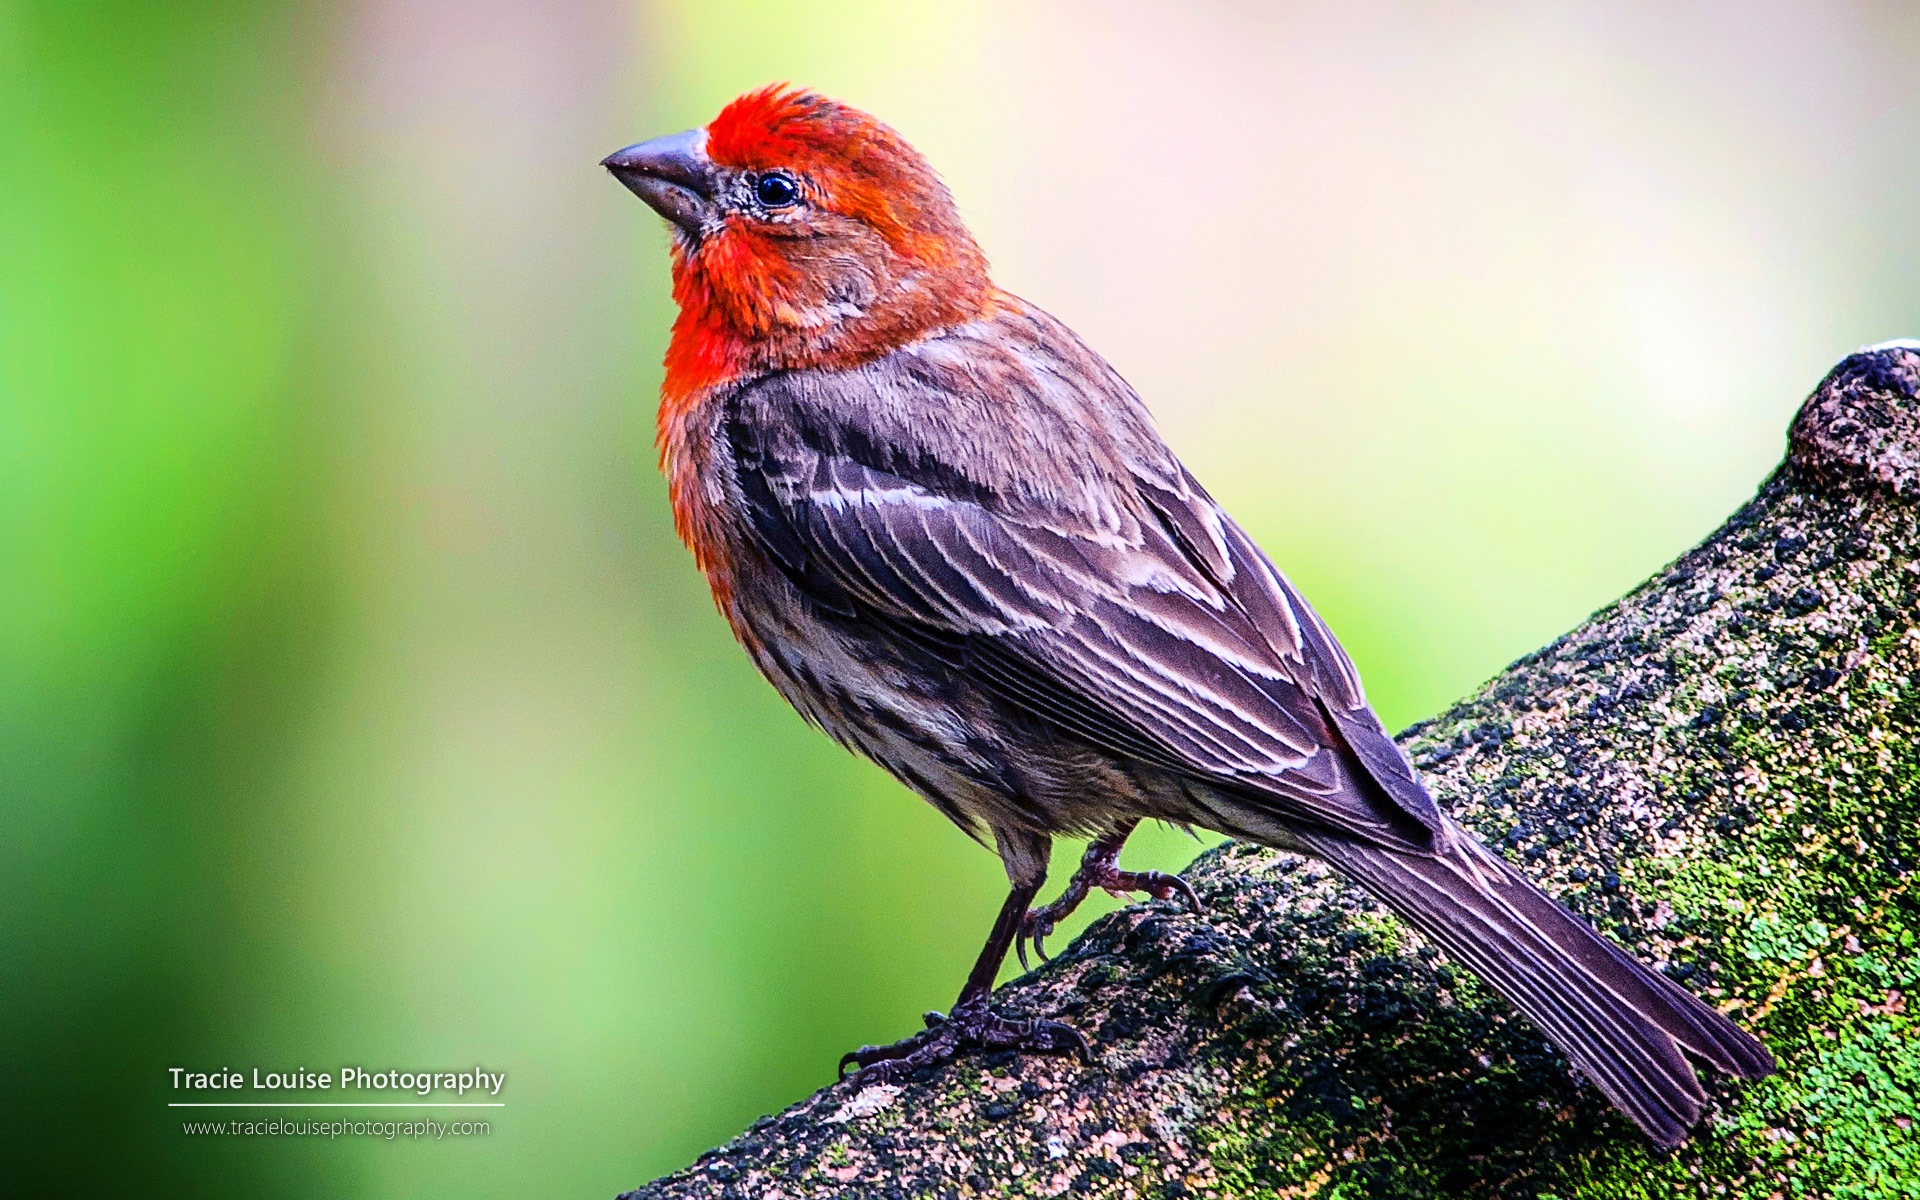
{"points": [[1621, 1024]]}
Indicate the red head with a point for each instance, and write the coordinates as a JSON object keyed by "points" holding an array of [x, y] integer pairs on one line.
{"points": [[806, 233]]}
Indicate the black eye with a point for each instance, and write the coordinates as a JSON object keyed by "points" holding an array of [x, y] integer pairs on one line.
{"points": [[776, 190]]}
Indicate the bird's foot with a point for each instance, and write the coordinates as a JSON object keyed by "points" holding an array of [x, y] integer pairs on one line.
{"points": [[970, 1026], [1097, 870]]}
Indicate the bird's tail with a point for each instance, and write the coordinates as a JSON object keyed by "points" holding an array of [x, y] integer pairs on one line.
{"points": [[1620, 1023]]}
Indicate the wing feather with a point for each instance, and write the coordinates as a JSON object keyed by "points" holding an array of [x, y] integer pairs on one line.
{"points": [[1137, 618]]}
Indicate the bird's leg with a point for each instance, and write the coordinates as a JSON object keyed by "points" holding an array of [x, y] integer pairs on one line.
{"points": [[971, 1025], [1099, 868]]}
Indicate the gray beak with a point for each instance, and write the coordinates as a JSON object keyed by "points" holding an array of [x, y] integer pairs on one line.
{"points": [[672, 174]]}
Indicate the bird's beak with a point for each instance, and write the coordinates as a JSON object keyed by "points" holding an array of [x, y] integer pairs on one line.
{"points": [[672, 174]]}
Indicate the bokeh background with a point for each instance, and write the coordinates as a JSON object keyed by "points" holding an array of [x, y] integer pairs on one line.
{"points": [[356, 702]]}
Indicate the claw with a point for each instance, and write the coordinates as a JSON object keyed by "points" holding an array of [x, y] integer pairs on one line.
{"points": [[1035, 929], [1166, 885], [1067, 1035], [849, 1059]]}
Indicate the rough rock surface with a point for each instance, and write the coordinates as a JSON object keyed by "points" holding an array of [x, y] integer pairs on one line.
{"points": [[1722, 770]]}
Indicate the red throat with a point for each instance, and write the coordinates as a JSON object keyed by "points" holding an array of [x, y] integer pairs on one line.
{"points": [[877, 257]]}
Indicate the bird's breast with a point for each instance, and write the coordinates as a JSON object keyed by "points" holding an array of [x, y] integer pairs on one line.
{"points": [[697, 491]]}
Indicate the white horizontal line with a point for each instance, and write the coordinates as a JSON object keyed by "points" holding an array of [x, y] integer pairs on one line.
{"points": [[293, 1104]]}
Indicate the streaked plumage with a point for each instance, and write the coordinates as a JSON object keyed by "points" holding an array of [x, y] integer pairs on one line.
{"points": [[948, 533]]}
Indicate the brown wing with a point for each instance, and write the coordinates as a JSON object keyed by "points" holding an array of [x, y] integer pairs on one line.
{"points": [[1128, 611]]}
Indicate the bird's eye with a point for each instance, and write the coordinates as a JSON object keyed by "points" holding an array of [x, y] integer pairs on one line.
{"points": [[776, 190]]}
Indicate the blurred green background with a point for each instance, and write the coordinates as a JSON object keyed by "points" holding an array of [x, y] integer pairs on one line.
{"points": [[356, 702]]}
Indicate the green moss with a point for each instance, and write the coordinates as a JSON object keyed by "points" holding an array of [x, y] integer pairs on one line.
{"points": [[1790, 891], [1854, 1095]]}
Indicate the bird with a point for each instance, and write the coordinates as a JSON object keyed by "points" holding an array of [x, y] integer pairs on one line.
{"points": [[950, 536]]}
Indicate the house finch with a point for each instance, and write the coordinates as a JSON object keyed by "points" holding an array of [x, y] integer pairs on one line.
{"points": [[948, 533]]}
